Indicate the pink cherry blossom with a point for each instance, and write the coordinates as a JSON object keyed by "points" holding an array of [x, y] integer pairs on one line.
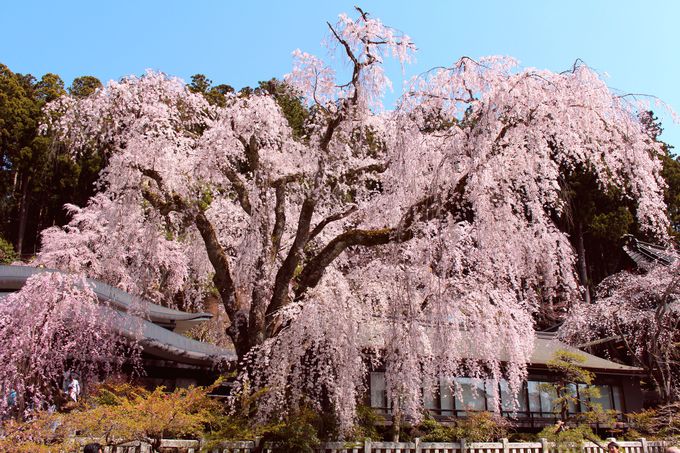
{"points": [[427, 235]]}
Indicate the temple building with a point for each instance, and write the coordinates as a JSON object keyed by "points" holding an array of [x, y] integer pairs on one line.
{"points": [[618, 385], [168, 357]]}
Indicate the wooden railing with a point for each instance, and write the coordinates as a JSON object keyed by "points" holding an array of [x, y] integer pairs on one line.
{"points": [[368, 446]]}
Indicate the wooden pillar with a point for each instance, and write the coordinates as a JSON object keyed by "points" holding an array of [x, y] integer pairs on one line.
{"points": [[506, 447], [463, 446], [367, 446]]}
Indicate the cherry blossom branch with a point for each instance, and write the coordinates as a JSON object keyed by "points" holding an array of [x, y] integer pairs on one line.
{"points": [[223, 280], [280, 218], [252, 152], [239, 187], [314, 270], [332, 218], [287, 269]]}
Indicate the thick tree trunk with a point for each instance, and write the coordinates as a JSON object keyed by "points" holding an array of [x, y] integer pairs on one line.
{"points": [[23, 213], [396, 423], [582, 265]]}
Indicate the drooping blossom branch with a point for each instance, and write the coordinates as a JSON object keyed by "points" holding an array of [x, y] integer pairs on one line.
{"points": [[407, 232]]}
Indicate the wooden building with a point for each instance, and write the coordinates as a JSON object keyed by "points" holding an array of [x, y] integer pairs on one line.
{"points": [[168, 357]]}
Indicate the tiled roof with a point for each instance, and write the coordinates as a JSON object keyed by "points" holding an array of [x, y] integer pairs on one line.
{"points": [[154, 339], [645, 254], [546, 344]]}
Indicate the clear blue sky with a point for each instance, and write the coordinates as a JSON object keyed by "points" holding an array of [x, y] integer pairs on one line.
{"points": [[237, 42]]}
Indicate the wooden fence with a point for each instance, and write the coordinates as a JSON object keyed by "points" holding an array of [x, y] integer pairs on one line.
{"points": [[194, 446]]}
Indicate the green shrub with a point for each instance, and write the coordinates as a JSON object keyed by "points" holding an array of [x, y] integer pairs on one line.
{"points": [[298, 433], [7, 253], [431, 430], [475, 427], [567, 437], [366, 426], [483, 427]]}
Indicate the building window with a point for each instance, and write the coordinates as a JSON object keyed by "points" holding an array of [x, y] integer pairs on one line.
{"points": [[458, 396], [447, 397], [508, 403], [379, 392]]}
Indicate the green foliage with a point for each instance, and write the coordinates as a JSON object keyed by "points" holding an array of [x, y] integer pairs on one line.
{"points": [[565, 365], [291, 105], [7, 253], [83, 87], [121, 412], [298, 433], [661, 423], [37, 177], [44, 433], [366, 426], [431, 430], [116, 413], [474, 427], [612, 225], [239, 424], [671, 174], [566, 437], [483, 427], [215, 95]]}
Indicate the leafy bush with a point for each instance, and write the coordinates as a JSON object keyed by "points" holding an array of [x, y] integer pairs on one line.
{"points": [[483, 427], [298, 433], [118, 413], [121, 413], [44, 433], [431, 430], [660, 423], [366, 426], [566, 437], [475, 427], [7, 253]]}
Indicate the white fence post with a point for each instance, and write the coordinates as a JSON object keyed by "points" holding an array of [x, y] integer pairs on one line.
{"points": [[367, 446], [643, 443], [545, 447], [463, 446], [506, 447], [418, 450]]}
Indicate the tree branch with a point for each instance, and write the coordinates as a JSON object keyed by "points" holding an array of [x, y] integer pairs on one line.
{"points": [[287, 269], [313, 271], [224, 283], [252, 152], [332, 218], [280, 218], [426, 209], [239, 188]]}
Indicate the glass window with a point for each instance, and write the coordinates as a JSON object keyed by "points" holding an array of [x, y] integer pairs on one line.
{"points": [[507, 402], [534, 396], [447, 397], [430, 399], [582, 395], [618, 398], [378, 390], [472, 395], [573, 399], [492, 395], [605, 397], [547, 396]]}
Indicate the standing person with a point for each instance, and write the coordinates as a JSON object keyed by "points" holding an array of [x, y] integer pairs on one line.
{"points": [[74, 388], [93, 448]]}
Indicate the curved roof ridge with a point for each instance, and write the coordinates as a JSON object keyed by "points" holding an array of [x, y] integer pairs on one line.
{"points": [[154, 339], [14, 277]]}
